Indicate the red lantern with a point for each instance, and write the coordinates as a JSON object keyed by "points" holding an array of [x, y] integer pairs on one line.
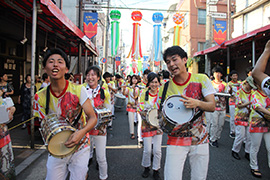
{"points": [[178, 18], [136, 15]]}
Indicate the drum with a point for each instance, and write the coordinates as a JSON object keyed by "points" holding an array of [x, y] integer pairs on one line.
{"points": [[223, 94], [55, 133], [104, 116], [174, 113], [120, 100], [152, 117]]}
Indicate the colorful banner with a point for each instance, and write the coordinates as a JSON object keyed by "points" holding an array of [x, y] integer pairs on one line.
{"points": [[117, 61], [176, 35], [114, 38], [220, 31], [90, 24]]}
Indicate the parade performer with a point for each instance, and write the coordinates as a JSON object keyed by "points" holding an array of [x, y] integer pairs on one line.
{"points": [[100, 98], [150, 134], [7, 167], [242, 111], [233, 86], [218, 116], [69, 101], [258, 73], [198, 93], [259, 127], [132, 92], [112, 89]]}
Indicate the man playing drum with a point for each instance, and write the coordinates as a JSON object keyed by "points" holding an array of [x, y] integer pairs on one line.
{"points": [[71, 102], [198, 93], [100, 99]]}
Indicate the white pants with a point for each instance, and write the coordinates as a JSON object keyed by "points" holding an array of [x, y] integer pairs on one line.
{"points": [[131, 116], [100, 143], [208, 117], [256, 139], [217, 122], [139, 127], [232, 125], [147, 151], [241, 134], [76, 164], [176, 157]]}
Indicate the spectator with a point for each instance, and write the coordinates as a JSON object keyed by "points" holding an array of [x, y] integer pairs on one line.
{"points": [[5, 86], [46, 81]]}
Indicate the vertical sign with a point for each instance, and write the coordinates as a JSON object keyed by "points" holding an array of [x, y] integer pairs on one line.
{"points": [[90, 24], [220, 32]]}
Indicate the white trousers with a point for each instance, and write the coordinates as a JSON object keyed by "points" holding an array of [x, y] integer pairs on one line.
{"points": [[147, 151], [139, 127], [76, 164], [176, 157], [241, 134], [100, 143], [256, 139], [217, 122], [232, 125], [131, 116], [208, 117]]}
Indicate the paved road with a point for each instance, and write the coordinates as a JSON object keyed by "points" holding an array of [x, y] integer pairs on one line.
{"points": [[124, 158]]}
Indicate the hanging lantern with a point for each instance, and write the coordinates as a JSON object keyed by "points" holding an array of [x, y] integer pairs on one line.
{"points": [[115, 15], [136, 15], [157, 17], [178, 18]]}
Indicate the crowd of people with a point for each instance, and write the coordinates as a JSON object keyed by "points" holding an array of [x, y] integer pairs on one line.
{"points": [[148, 99]]}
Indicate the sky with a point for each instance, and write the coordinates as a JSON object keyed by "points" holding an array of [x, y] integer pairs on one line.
{"points": [[146, 23]]}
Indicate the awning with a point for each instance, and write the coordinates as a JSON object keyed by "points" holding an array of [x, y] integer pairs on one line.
{"points": [[49, 8], [252, 34], [53, 21]]}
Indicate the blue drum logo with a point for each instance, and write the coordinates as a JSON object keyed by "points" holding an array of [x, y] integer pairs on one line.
{"points": [[170, 105]]}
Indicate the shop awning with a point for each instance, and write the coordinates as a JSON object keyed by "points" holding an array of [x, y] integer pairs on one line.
{"points": [[209, 50], [52, 20]]}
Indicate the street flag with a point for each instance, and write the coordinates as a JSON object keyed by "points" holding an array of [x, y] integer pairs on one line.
{"points": [[90, 24], [220, 32]]}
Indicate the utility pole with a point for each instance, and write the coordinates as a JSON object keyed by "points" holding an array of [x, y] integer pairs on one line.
{"points": [[107, 35], [208, 37], [229, 20]]}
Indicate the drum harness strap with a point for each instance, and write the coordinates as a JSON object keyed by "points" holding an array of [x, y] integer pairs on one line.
{"points": [[48, 102], [187, 125]]}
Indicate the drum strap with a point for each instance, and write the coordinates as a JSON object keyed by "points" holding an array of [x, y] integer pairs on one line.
{"points": [[188, 125], [146, 95], [166, 85], [102, 95], [47, 99]]}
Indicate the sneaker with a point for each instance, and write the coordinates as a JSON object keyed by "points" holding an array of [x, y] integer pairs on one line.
{"points": [[146, 172], [235, 155], [140, 144], [156, 175], [214, 143], [23, 126], [232, 135]]}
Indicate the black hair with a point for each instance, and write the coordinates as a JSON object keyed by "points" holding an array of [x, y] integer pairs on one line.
{"points": [[173, 50], [147, 71], [96, 69], [150, 77], [128, 76], [44, 76], [27, 76], [55, 51], [107, 74], [132, 78], [233, 72], [165, 74], [217, 69], [118, 76], [67, 76]]}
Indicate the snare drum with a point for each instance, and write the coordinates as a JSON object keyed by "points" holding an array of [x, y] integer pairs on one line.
{"points": [[152, 117], [104, 116], [120, 100], [55, 133], [175, 113]]}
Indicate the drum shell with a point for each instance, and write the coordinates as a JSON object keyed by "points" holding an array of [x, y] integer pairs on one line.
{"points": [[120, 101], [104, 116]]}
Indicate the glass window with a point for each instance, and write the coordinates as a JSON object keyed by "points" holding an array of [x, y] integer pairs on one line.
{"points": [[201, 16]]}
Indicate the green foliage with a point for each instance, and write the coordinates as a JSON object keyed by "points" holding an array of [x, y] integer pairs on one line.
{"points": [[191, 60]]}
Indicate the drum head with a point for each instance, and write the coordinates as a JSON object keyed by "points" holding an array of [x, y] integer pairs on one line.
{"points": [[153, 117], [56, 145], [174, 110]]}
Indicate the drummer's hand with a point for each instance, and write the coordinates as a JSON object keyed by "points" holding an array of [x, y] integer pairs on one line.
{"points": [[74, 138], [190, 102], [11, 111]]}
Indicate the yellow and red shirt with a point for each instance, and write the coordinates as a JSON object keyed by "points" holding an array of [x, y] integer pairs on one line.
{"points": [[242, 114], [256, 122], [220, 87], [197, 86], [132, 101], [235, 87]]}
